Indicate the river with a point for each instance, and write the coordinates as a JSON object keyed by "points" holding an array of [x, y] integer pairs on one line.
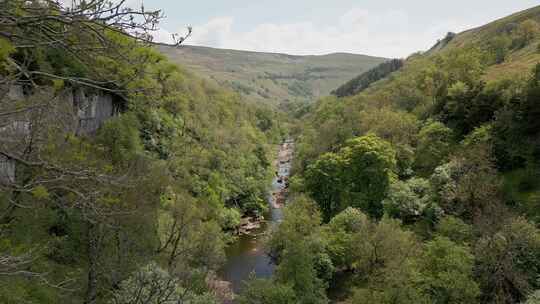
{"points": [[247, 255]]}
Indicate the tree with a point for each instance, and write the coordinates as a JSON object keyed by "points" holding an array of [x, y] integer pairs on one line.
{"points": [[369, 162], [298, 248], [508, 262], [446, 272], [434, 145], [408, 200], [400, 292], [297, 268], [499, 47], [153, 285], [516, 126], [396, 127], [341, 235], [455, 229], [358, 175], [324, 182], [384, 260], [363, 81], [188, 239], [525, 32], [469, 187]]}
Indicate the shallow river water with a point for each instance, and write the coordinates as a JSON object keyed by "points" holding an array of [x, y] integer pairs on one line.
{"points": [[247, 255]]}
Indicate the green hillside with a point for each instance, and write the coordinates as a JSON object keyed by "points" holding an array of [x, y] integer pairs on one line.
{"points": [[269, 77], [513, 61], [425, 187], [504, 59]]}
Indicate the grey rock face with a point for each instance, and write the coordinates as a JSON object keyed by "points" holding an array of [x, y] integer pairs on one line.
{"points": [[81, 111]]}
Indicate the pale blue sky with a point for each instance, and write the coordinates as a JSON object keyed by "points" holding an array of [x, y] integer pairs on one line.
{"points": [[375, 27]]}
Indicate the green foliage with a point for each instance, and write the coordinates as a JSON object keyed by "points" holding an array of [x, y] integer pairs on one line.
{"points": [[300, 89], [533, 298], [446, 272], [516, 128], [525, 33], [384, 258], [500, 48], [358, 175], [325, 183], [370, 163], [394, 270], [508, 262], [153, 285], [363, 81], [341, 232], [120, 138], [40, 192], [397, 127], [399, 295], [297, 246], [455, 229], [298, 269], [468, 186], [260, 291], [6, 48], [409, 200], [434, 145], [480, 136]]}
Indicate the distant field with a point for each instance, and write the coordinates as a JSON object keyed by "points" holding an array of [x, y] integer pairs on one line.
{"points": [[273, 78]]}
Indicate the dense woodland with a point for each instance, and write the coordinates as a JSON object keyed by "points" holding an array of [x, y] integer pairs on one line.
{"points": [[421, 184], [363, 81]]}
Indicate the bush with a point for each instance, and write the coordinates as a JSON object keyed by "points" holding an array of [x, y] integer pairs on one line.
{"points": [[153, 285]]}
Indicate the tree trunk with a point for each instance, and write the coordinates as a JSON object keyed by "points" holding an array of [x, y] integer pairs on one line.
{"points": [[93, 256]]}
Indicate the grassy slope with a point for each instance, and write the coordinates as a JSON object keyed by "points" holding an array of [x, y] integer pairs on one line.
{"points": [[519, 62], [270, 77]]}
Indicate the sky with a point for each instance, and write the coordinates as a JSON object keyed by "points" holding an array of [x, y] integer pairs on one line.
{"points": [[386, 28]]}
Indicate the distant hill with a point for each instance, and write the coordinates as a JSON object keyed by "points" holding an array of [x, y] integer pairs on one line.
{"points": [[270, 77]]}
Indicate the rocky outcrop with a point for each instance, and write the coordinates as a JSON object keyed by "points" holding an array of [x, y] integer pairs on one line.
{"points": [[249, 224], [93, 108], [7, 170], [82, 111]]}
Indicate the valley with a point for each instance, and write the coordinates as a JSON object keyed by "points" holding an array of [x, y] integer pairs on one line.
{"points": [[136, 172]]}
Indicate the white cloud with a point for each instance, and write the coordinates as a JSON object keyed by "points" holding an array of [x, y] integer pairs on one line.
{"points": [[388, 34]]}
